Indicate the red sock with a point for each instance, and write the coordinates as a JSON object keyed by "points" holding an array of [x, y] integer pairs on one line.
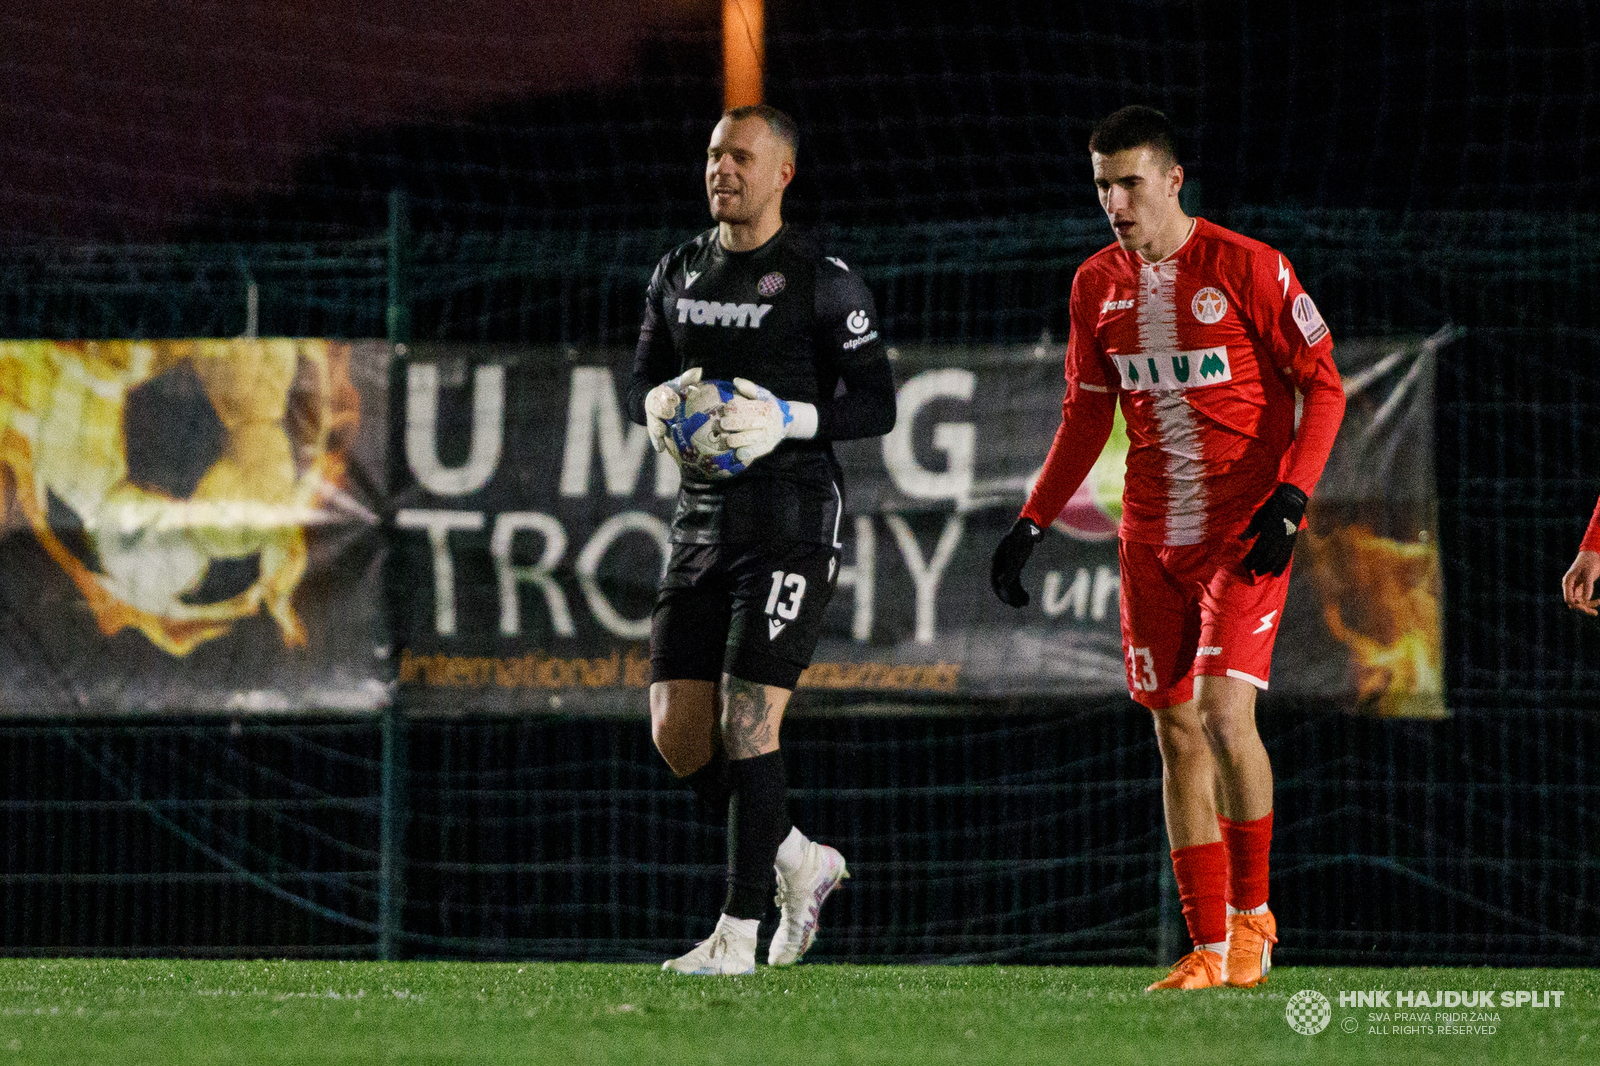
{"points": [[1248, 844], [1202, 872]]}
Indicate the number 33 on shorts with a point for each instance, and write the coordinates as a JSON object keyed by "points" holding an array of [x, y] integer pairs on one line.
{"points": [[783, 602], [1141, 670]]}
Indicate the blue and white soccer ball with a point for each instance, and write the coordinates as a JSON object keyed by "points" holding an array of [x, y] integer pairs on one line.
{"points": [[695, 433]]}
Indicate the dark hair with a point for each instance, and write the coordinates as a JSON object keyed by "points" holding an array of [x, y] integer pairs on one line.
{"points": [[777, 121], [1135, 126]]}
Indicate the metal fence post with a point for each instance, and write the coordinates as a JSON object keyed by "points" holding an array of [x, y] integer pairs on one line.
{"points": [[395, 808]]}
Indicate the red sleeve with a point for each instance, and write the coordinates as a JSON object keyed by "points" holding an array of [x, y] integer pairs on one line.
{"points": [[1591, 536], [1298, 343], [1085, 428], [1087, 412]]}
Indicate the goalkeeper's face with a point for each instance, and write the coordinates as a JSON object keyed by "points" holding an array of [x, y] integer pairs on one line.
{"points": [[747, 168], [1139, 194]]}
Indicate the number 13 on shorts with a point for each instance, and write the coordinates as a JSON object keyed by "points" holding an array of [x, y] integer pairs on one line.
{"points": [[788, 607], [1141, 670]]}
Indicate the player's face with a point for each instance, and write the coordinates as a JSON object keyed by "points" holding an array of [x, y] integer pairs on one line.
{"points": [[746, 166], [1139, 194]]}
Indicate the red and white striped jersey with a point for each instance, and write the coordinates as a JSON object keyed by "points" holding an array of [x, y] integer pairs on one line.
{"points": [[1204, 351]]}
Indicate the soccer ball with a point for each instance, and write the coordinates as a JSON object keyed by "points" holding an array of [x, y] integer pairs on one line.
{"points": [[694, 433]]}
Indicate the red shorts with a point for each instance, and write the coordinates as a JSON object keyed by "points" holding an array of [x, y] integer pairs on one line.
{"points": [[1191, 610]]}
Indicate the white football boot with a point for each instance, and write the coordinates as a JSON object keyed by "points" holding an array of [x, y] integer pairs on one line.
{"points": [[729, 949], [799, 899]]}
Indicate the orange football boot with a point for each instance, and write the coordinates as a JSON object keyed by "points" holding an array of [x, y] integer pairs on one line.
{"points": [[1250, 940], [1198, 969]]}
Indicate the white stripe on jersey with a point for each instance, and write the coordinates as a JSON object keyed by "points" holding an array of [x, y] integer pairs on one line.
{"points": [[1175, 419]]}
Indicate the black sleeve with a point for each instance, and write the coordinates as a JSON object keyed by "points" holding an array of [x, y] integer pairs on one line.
{"points": [[847, 331], [654, 360]]}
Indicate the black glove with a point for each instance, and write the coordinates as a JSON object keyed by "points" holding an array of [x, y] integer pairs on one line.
{"points": [[1274, 527], [1010, 556]]}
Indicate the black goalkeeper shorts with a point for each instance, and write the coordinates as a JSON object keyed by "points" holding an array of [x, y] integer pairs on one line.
{"points": [[751, 610]]}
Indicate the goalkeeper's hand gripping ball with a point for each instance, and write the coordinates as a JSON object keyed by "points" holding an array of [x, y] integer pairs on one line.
{"points": [[662, 403]]}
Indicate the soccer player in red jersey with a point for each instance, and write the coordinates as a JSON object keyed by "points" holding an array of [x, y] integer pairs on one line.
{"points": [[1578, 587], [1204, 336]]}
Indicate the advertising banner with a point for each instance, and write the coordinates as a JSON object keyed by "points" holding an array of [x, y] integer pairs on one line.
{"points": [[531, 528], [192, 525], [230, 525]]}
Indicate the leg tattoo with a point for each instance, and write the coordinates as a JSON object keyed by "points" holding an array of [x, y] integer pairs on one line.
{"points": [[747, 725]]}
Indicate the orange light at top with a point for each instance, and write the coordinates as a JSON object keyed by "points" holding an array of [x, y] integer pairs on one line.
{"points": [[743, 52]]}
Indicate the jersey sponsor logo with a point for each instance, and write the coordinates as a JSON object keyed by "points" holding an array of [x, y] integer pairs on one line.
{"points": [[1174, 371], [1209, 305], [1209, 649], [1283, 276], [712, 313], [689, 277], [1116, 305], [858, 323], [1309, 319], [836, 261], [770, 284]]}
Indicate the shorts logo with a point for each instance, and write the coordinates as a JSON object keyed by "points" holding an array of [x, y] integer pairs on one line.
{"points": [[1309, 319], [770, 284], [1209, 305], [1173, 371]]}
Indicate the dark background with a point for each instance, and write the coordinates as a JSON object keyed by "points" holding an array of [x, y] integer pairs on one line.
{"points": [[138, 120]]}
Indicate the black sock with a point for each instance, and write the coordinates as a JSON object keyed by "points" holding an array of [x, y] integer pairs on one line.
{"points": [[758, 820], [712, 783]]}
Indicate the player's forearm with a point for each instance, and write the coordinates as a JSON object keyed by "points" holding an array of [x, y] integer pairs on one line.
{"points": [[1320, 415], [1085, 427], [867, 408], [653, 363]]}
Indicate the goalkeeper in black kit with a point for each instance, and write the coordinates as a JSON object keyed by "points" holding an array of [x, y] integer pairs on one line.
{"points": [[755, 556]]}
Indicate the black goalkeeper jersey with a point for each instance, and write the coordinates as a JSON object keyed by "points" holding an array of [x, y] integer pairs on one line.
{"points": [[796, 321]]}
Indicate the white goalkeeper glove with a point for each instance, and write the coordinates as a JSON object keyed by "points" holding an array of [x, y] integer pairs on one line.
{"points": [[661, 403], [755, 421]]}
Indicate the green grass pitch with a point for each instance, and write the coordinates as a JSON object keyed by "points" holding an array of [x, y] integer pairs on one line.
{"points": [[99, 1011]]}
